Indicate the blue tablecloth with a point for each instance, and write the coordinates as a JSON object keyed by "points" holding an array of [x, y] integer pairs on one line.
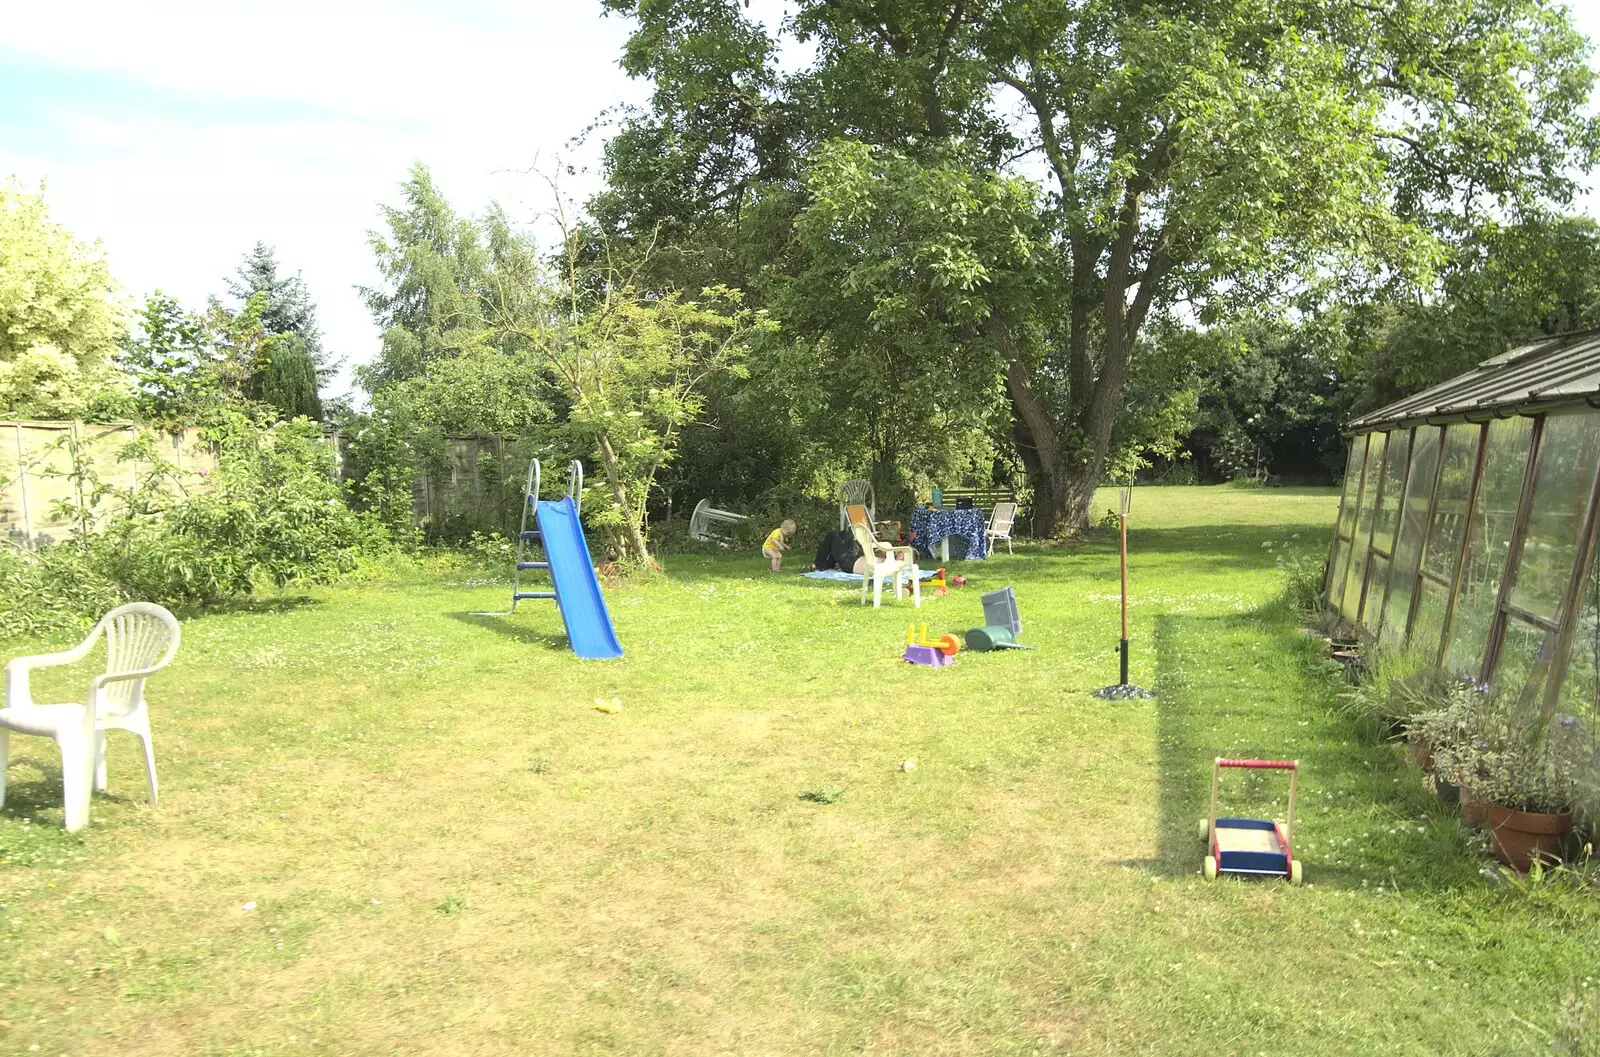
{"points": [[928, 527]]}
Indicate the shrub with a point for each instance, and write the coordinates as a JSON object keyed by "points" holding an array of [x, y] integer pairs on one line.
{"points": [[1399, 686], [1302, 581], [1506, 751], [270, 513], [54, 589]]}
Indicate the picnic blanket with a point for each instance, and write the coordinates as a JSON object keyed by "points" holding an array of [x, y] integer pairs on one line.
{"points": [[855, 578]]}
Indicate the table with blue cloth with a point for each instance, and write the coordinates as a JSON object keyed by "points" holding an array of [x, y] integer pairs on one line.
{"points": [[930, 526]]}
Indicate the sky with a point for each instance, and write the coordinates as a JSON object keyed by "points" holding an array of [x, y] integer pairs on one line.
{"points": [[181, 132]]}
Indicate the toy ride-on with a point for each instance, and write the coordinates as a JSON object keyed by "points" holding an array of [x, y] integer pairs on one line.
{"points": [[1253, 847]]}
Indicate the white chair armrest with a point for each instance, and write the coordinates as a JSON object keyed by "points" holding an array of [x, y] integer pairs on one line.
{"points": [[51, 660], [116, 677], [17, 670]]}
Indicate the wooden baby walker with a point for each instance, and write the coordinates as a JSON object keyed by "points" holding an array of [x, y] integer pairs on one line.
{"points": [[1251, 847]]}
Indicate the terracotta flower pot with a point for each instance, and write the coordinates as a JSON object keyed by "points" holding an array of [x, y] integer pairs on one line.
{"points": [[1519, 837], [1472, 809]]}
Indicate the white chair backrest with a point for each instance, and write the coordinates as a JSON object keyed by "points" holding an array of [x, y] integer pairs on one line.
{"points": [[1001, 519], [140, 636], [857, 491], [867, 542]]}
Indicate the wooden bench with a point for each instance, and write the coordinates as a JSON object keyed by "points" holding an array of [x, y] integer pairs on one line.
{"points": [[982, 498]]}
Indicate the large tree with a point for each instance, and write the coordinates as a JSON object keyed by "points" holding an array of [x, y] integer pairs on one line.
{"points": [[59, 318], [1188, 156], [288, 308]]}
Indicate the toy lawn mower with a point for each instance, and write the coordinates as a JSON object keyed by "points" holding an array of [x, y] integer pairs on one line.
{"points": [[1251, 847]]}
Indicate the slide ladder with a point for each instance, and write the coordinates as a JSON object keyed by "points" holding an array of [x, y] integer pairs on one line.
{"points": [[573, 583]]}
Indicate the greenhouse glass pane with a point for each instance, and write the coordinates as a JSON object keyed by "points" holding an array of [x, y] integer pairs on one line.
{"points": [[1394, 480], [1350, 604], [1455, 486], [1352, 485], [1335, 573], [1377, 573], [1564, 477], [1413, 520], [1429, 624], [1580, 689], [1519, 670], [1505, 464]]}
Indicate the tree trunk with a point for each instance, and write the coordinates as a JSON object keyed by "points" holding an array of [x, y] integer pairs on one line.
{"points": [[632, 531], [1063, 482]]}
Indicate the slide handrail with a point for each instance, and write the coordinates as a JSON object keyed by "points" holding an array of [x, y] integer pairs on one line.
{"points": [[530, 488], [575, 484]]}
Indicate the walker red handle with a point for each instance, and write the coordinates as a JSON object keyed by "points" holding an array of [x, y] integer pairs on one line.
{"points": [[1261, 765]]}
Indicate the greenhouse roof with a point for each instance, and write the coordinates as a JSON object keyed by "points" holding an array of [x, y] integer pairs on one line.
{"points": [[1562, 369]]}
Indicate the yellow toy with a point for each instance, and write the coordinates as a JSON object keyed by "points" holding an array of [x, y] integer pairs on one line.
{"points": [[948, 645]]}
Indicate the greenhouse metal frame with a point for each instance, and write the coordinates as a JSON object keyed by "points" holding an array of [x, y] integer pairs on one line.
{"points": [[1467, 525]]}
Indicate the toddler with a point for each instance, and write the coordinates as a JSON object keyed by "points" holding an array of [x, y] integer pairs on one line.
{"points": [[776, 543]]}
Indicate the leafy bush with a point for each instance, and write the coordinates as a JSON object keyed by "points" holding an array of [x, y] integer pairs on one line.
{"points": [[1399, 686], [1303, 574], [1506, 751], [53, 589], [270, 513]]}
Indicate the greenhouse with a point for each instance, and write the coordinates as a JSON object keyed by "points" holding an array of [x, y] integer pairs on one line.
{"points": [[1467, 527]]}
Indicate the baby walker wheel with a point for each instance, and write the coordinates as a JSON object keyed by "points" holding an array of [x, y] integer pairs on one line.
{"points": [[1205, 829], [1211, 867], [1294, 872]]}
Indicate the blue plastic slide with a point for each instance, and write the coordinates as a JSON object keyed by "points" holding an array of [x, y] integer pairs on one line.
{"points": [[577, 588]]}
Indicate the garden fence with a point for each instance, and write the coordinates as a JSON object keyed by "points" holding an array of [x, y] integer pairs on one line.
{"points": [[468, 485]]}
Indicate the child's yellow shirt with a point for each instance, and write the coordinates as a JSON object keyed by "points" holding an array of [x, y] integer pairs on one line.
{"points": [[774, 538]]}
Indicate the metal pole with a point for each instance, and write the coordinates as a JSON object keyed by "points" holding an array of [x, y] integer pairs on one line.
{"points": [[1124, 680]]}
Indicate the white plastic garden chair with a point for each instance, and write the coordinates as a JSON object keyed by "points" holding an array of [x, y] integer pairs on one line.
{"points": [[140, 639], [1001, 518], [857, 492], [884, 560]]}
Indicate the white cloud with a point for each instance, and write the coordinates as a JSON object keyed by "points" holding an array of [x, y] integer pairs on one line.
{"points": [[180, 133]]}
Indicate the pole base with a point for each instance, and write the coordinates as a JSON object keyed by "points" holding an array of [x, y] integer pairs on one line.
{"points": [[1122, 692]]}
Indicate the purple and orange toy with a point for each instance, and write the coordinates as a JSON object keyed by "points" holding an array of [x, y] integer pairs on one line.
{"points": [[938, 653]]}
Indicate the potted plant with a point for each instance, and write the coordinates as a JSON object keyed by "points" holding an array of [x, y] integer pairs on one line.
{"points": [[1532, 790], [1442, 732], [1522, 767]]}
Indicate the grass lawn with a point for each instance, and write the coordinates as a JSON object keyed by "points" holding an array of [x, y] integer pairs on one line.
{"points": [[391, 826]]}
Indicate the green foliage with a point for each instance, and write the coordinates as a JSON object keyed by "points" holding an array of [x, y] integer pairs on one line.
{"points": [[631, 366], [59, 318], [285, 379], [170, 356], [270, 513], [186, 365], [1505, 751], [1303, 574], [441, 272], [287, 309], [1505, 284], [380, 464], [481, 391], [58, 588], [1208, 156]]}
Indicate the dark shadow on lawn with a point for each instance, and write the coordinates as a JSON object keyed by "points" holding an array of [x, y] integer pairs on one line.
{"points": [[1205, 549], [1207, 709], [280, 604], [502, 624], [40, 791]]}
